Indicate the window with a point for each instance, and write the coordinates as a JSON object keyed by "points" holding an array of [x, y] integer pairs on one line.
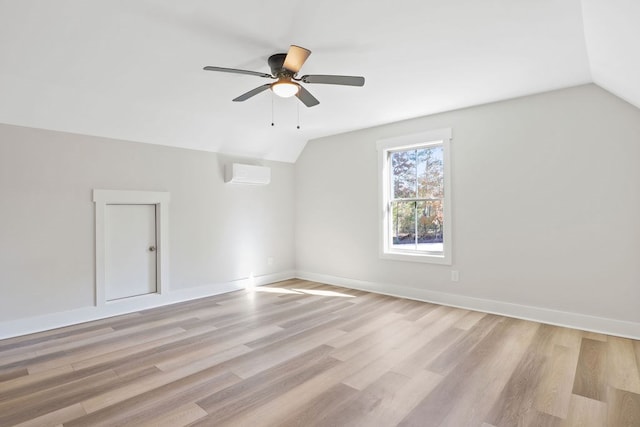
{"points": [[416, 193]]}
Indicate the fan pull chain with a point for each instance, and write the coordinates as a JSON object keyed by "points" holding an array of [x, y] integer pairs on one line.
{"points": [[272, 110], [273, 113]]}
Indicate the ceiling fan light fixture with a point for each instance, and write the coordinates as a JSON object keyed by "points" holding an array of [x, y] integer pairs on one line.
{"points": [[285, 88], [284, 69]]}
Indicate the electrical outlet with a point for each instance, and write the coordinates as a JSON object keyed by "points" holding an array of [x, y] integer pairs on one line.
{"points": [[270, 260], [455, 276]]}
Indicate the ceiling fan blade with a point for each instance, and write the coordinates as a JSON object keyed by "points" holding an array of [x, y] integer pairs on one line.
{"points": [[252, 92], [333, 80], [295, 58], [236, 71], [306, 97]]}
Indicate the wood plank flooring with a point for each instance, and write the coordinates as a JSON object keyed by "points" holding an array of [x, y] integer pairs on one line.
{"points": [[299, 353]]}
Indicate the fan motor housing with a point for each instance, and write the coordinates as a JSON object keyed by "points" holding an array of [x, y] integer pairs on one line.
{"points": [[276, 63]]}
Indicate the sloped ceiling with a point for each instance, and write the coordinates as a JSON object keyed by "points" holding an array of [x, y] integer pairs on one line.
{"points": [[612, 33], [132, 69]]}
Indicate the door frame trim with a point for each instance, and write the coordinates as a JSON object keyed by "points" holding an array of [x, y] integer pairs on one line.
{"points": [[102, 198]]}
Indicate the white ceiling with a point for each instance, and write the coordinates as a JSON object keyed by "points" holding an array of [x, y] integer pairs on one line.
{"points": [[132, 69]]}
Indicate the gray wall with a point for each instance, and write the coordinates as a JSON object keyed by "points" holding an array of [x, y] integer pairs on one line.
{"points": [[218, 232], [545, 206]]}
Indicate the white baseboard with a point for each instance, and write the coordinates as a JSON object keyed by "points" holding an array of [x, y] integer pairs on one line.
{"points": [[45, 322], [584, 322], [553, 317]]}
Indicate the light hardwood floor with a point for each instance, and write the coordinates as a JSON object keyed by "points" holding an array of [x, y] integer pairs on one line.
{"points": [[300, 353]]}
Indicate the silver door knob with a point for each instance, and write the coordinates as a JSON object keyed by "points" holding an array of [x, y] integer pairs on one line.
{"points": [[152, 248]]}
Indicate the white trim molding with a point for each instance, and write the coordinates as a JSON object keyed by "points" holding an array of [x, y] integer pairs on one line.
{"points": [[537, 314], [103, 198], [14, 328], [566, 319]]}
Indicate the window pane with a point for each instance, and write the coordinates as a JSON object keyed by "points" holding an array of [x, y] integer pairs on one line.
{"points": [[403, 223], [430, 226], [403, 167], [430, 171]]}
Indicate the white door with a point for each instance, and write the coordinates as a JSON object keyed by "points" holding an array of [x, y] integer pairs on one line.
{"points": [[130, 251]]}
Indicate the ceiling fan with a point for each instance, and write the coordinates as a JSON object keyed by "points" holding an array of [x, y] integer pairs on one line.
{"points": [[284, 69]]}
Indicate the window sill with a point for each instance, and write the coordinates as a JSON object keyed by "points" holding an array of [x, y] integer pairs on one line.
{"points": [[415, 257]]}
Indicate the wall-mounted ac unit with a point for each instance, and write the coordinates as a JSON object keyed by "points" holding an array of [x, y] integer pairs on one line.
{"points": [[237, 173]]}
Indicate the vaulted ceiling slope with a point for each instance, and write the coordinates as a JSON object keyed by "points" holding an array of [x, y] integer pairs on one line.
{"points": [[132, 69]]}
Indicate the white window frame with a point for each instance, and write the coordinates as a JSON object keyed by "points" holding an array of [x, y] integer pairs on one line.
{"points": [[406, 142]]}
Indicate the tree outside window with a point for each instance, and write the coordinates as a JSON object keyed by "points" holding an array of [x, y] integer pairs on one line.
{"points": [[416, 204]]}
